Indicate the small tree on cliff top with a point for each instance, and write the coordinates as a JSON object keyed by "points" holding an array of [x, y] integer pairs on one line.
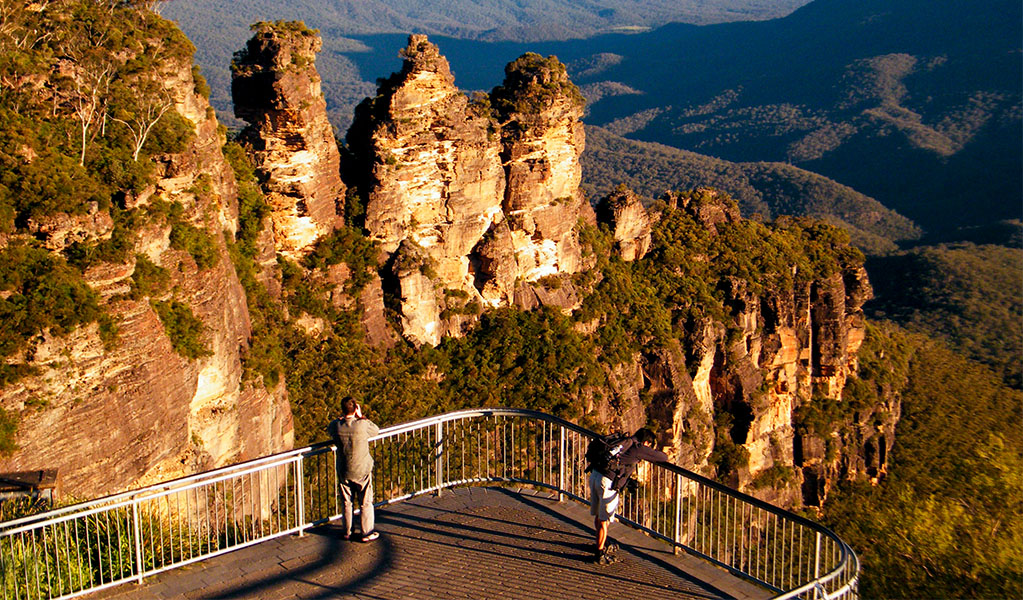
{"points": [[532, 83]]}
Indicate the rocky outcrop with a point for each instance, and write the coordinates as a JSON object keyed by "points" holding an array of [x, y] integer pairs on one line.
{"points": [[539, 110], [483, 207], [433, 187], [729, 404], [111, 417], [276, 89], [629, 222]]}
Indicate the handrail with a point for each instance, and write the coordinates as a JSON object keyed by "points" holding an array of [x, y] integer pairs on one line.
{"points": [[81, 548]]}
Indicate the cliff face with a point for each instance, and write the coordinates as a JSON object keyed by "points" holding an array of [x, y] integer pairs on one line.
{"points": [[539, 111], [277, 91], [470, 208], [111, 418], [628, 221], [741, 384]]}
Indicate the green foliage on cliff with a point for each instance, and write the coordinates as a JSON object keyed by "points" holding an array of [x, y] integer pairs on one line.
{"points": [[81, 110], [185, 330], [252, 205], [197, 242], [8, 427], [947, 520], [532, 84], [511, 358], [39, 291], [691, 273], [264, 356], [346, 245], [148, 279]]}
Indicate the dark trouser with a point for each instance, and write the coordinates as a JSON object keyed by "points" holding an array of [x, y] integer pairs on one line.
{"points": [[358, 491]]}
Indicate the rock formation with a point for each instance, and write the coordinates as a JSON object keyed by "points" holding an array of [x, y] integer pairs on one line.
{"points": [[782, 350], [539, 110], [111, 418], [276, 89], [630, 224], [480, 207]]}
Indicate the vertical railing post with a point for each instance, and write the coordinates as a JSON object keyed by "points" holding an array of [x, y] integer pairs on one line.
{"points": [[678, 513], [439, 465], [817, 566], [137, 526], [300, 493], [561, 464]]}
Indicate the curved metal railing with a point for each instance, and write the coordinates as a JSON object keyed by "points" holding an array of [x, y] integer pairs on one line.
{"points": [[82, 548]]}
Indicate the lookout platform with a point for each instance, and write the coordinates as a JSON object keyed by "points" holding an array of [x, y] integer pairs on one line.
{"points": [[475, 543]]}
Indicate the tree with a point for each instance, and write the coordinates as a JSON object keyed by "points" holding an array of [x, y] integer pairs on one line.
{"points": [[88, 68], [149, 102]]}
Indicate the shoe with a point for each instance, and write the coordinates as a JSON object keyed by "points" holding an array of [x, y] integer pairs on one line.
{"points": [[369, 537], [610, 548]]}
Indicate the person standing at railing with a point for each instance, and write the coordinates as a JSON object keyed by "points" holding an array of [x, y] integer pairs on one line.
{"points": [[605, 488], [351, 433]]}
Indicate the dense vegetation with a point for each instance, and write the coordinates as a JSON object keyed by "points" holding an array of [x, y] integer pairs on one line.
{"points": [[81, 107], [947, 521], [970, 296], [639, 305], [38, 291]]}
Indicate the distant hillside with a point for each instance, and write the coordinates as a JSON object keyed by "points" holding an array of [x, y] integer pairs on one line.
{"points": [[916, 103], [220, 27], [494, 20], [767, 189], [970, 296]]}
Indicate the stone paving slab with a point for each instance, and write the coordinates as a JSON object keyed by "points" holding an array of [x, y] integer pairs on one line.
{"points": [[471, 543]]}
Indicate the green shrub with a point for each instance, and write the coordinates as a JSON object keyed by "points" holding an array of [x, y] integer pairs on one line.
{"points": [[184, 329], [350, 246], [45, 293], [8, 431], [201, 87], [197, 242], [252, 205], [774, 477], [148, 279]]}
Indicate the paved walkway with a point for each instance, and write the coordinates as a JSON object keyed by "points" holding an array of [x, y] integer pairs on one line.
{"points": [[473, 543]]}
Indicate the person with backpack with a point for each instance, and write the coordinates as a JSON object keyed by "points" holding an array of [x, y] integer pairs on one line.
{"points": [[613, 460]]}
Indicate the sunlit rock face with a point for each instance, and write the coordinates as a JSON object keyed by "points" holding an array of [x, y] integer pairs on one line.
{"points": [[113, 417], [276, 89], [629, 223], [781, 349], [439, 182], [539, 110]]}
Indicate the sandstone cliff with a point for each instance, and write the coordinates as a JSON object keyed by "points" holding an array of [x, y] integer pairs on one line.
{"points": [[476, 205], [120, 416], [472, 208], [730, 399], [277, 91]]}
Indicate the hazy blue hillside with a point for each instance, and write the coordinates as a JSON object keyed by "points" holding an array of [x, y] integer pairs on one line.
{"points": [[220, 27], [916, 103], [761, 188]]}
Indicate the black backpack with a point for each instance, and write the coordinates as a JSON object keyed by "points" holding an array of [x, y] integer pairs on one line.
{"points": [[603, 453]]}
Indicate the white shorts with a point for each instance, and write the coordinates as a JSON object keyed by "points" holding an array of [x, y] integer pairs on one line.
{"points": [[603, 499]]}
